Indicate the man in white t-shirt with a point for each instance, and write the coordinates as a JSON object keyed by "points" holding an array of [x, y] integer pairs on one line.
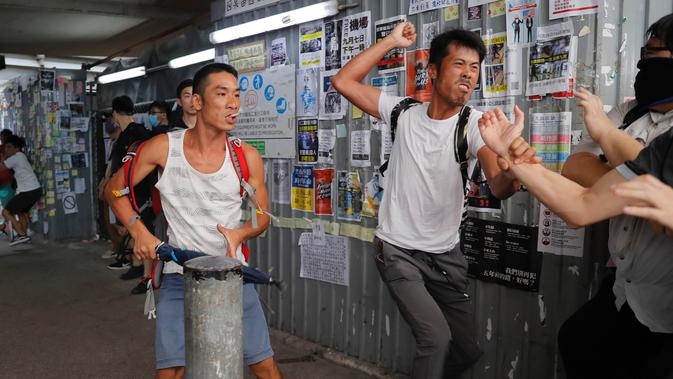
{"points": [[28, 189], [420, 214]]}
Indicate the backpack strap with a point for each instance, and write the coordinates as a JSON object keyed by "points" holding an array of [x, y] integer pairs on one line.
{"points": [[237, 155], [460, 153], [129, 161], [402, 106]]}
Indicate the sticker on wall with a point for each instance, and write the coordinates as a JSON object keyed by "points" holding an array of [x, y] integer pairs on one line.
{"points": [[324, 180], [302, 188], [307, 140]]}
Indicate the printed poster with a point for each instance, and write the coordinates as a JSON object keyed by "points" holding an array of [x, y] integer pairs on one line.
{"points": [[361, 148], [62, 178], [474, 3], [302, 188], [429, 31], [419, 85], [502, 253], [418, 6], [349, 201], [569, 8], [556, 237], [550, 60], [550, 136], [327, 261], [326, 142], [237, 7], [356, 35], [496, 8], [280, 172], [307, 140], [307, 92], [333, 106], [47, 80], [311, 40], [393, 60], [388, 85], [373, 194], [279, 52], [452, 12], [324, 179], [493, 69], [248, 57], [522, 22], [266, 119], [333, 44], [513, 66], [474, 13]]}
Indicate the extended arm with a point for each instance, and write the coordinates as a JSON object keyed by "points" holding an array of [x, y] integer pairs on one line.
{"points": [[584, 168], [237, 236], [348, 81], [575, 204], [154, 154], [617, 146]]}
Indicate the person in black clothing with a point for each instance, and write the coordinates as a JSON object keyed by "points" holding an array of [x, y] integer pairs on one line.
{"points": [[122, 115], [187, 119]]}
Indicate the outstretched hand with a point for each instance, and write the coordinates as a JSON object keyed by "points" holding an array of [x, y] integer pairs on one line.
{"points": [[595, 119], [498, 132], [648, 198], [404, 35], [519, 152], [233, 238]]}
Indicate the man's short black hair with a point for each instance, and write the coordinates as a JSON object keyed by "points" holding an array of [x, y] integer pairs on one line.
{"points": [[663, 31], [15, 141], [123, 105], [201, 76], [439, 47], [6, 133], [159, 104], [183, 84]]}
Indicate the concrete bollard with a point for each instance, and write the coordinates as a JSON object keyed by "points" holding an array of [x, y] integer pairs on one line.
{"points": [[213, 318]]}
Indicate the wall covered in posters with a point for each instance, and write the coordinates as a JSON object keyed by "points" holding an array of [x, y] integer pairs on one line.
{"points": [[359, 318]]}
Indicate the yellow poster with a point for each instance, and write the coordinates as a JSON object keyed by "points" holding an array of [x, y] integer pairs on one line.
{"points": [[302, 188], [451, 12], [496, 9]]}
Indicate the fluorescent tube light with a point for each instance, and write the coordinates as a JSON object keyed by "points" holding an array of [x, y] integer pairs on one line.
{"points": [[47, 64], [122, 75], [201, 56], [278, 21]]}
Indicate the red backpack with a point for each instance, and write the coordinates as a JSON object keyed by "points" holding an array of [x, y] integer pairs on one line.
{"points": [[235, 150]]}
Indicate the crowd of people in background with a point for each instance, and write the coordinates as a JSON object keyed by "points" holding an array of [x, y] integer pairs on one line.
{"points": [[19, 188], [122, 131]]}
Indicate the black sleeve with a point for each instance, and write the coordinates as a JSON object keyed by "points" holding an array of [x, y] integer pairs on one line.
{"points": [[655, 159]]}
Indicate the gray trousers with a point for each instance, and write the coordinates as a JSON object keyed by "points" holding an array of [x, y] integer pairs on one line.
{"points": [[431, 293]]}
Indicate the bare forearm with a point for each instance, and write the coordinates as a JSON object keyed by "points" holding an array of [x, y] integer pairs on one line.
{"points": [[121, 206], [619, 147], [248, 232], [584, 169], [503, 185]]}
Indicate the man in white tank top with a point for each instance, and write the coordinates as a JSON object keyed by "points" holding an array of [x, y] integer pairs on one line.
{"points": [[202, 203]]}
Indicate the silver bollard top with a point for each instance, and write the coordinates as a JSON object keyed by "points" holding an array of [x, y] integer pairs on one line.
{"points": [[214, 266]]}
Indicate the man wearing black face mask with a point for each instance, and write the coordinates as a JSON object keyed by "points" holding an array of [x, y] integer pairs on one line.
{"points": [[645, 118]]}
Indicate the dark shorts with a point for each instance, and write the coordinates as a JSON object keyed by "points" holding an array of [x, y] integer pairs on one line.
{"points": [[22, 202]]}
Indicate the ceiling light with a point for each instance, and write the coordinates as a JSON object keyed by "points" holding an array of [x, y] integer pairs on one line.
{"points": [[122, 75], [201, 56], [47, 64], [278, 21]]}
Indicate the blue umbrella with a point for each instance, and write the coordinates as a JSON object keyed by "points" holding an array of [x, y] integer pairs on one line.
{"points": [[166, 253]]}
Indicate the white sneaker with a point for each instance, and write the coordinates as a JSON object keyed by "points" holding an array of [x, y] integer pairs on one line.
{"points": [[19, 240], [109, 254]]}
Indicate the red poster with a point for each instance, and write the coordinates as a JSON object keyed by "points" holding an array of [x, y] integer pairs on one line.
{"points": [[323, 191], [419, 85]]}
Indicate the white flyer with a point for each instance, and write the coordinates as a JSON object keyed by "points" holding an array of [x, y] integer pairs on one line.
{"points": [[333, 106], [307, 92], [550, 60], [326, 142], [361, 148], [311, 41], [418, 6], [327, 262], [279, 52], [555, 237], [281, 181], [356, 35], [569, 8], [430, 30], [522, 22]]}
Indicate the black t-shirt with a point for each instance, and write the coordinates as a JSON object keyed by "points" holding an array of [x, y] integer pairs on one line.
{"points": [[143, 190], [179, 123], [656, 159], [134, 132]]}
